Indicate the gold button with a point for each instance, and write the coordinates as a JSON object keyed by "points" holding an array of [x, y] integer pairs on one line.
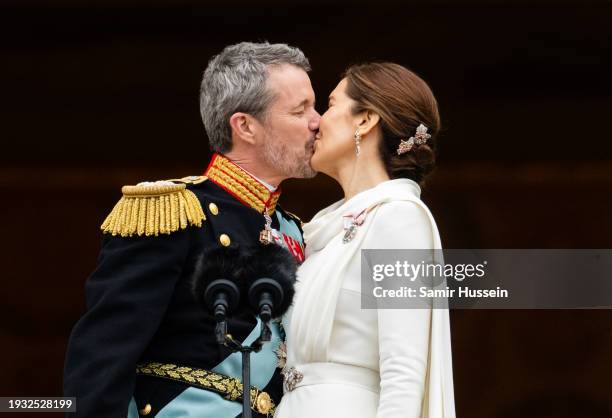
{"points": [[263, 403], [146, 410], [213, 209], [225, 240]]}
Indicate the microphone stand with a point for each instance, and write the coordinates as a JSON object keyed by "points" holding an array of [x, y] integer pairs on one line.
{"points": [[223, 295], [246, 351]]}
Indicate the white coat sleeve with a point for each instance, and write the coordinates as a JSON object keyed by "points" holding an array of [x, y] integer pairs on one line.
{"points": [[403, 334]]}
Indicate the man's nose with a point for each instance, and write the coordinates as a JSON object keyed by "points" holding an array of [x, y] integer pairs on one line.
{"points": [[313, 125]]}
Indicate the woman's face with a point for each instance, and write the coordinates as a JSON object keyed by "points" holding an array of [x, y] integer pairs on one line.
{"points": [[335, 140]]}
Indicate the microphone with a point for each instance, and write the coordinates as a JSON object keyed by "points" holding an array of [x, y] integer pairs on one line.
{"points": [[222, 274], [271, 274], [257, 280], [221, 297], [218, 282]]}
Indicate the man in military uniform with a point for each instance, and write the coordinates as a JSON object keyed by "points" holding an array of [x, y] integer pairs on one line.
{"points": [[145, 347]]}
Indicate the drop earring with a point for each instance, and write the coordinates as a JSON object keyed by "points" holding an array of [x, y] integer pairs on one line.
{"points": [[357, 142]]}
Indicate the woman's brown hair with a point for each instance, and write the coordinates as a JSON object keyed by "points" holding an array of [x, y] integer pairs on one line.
{"points": [[403, 101]]}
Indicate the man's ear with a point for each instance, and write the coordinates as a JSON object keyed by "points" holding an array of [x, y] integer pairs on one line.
{"points": [[244, 127], [367, 121]]}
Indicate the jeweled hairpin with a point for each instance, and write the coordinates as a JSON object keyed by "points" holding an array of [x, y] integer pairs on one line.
{"points": [[420, 137]]}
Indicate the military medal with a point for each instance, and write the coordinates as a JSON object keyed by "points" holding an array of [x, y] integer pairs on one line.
{"points": [[281, 355], [350, 228], [351, 222], [265, 236]]}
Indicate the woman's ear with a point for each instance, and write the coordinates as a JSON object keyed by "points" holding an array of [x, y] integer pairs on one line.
{"points": [[367, 121], [244, 127]]}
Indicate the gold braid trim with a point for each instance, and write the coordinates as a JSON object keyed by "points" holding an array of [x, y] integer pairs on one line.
{"points": [[235, 187], [153, 209], [230, 388], [273, 202], [239, 182], [227, 165]]}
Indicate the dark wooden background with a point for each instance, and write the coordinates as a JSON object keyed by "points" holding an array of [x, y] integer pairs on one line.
{"points": [[104, 93]]}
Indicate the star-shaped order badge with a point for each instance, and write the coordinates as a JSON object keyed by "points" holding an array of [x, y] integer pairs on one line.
{"points": [[281, 354], [281, 351]]}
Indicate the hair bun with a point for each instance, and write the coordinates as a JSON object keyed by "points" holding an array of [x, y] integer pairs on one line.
{"points": [[425, 158], [409, 117]]}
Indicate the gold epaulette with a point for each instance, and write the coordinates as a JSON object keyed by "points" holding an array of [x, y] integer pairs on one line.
{"points": [[153, 208]]}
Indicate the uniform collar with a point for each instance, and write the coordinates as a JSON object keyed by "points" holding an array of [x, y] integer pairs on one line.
{"points": [[265, 183], [241, 184]]}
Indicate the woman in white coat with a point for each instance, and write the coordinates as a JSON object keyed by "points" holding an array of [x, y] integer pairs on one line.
{"points": [[378, 141]]}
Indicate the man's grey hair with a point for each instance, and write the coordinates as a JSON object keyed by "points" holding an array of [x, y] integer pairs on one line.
{"points": [[235, 81]]}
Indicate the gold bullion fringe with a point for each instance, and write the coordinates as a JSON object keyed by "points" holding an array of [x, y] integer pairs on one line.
{"points": [[152, 210]]}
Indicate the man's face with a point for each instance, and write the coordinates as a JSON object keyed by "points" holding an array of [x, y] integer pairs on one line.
{"points": [[291, 122]]}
